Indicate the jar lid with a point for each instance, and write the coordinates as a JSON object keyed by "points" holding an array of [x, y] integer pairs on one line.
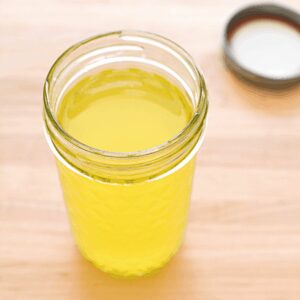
{"points": [[262, 45]]}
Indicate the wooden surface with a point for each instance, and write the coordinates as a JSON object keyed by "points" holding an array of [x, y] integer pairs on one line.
{"points": [[243, 239]]}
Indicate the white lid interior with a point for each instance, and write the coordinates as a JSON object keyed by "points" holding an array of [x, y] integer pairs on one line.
{"points": [[267, 47]]}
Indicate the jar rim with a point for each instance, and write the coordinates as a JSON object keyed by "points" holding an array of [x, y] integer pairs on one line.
{"points": [[198, 116]]}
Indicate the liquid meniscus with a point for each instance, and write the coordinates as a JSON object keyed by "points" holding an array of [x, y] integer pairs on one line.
{"points": [[124, 110]]}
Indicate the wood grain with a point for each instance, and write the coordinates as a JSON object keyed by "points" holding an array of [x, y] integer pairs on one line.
{"points": [[243, 240]]}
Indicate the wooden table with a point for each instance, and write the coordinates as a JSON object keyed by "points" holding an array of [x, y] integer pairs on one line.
{"points": [[243, 239]]}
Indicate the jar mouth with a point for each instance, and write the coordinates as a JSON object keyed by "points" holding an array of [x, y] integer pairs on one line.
{"points": [[197, 120]]}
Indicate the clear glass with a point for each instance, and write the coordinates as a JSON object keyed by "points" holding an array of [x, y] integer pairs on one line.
{"points": [[128, 211]]}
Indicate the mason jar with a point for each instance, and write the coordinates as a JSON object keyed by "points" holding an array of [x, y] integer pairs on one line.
{"points": [[128, 210]]}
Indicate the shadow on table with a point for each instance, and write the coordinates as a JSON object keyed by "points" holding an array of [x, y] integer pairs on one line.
{"points": [[226, 88], [172, 282], [273, 101]]}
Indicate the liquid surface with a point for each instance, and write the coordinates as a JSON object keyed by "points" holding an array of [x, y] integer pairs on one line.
{"points": [[131, 229], [124, 110]]}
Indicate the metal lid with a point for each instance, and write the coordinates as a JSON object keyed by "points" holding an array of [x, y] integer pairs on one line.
{"points": [[262, 45]]}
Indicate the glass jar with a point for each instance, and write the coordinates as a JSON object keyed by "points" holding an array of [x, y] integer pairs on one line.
{"points": [[128, 211]]}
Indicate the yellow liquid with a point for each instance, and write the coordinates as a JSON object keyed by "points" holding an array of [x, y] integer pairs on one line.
{"points": [[126, 229]]}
